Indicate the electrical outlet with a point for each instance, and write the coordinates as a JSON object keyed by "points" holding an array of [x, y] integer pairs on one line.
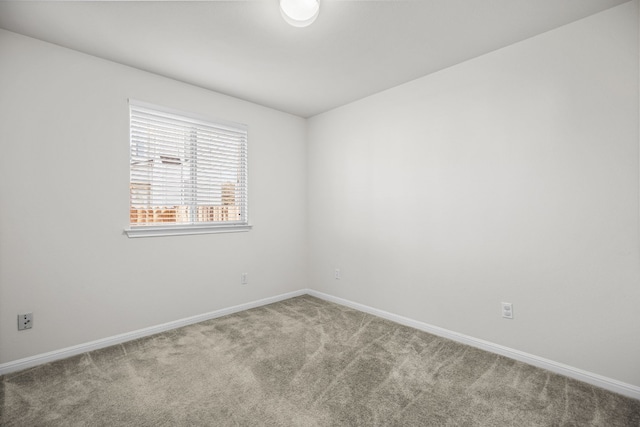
{"points": [[336, 274], [244, 278], [25, 321], [507, 310]]}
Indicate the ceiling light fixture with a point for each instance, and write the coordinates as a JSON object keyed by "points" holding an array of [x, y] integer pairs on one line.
{"points": [[300, 13]]}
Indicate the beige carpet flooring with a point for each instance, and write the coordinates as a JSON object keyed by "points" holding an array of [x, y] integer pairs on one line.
{"points": [[302, 362]]}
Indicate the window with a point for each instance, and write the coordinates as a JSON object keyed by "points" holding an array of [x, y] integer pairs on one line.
{"points": [[188, 175]]}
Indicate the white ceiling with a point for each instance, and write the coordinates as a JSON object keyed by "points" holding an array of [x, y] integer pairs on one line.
{"points": [[245, 49]]}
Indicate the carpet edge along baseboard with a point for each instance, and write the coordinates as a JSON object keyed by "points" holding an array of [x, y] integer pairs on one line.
{"points": [[597, 380]]}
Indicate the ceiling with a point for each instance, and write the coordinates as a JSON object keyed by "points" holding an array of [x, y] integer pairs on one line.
{"points": [[245, 49]]}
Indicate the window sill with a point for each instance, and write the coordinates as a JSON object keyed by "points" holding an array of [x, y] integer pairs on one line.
{"points": [[150, 231]]}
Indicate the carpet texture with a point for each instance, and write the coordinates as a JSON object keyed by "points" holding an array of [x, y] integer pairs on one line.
{"points": [[302, 362]]}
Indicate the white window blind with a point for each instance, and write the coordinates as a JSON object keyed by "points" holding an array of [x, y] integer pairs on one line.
{"points": [[185, 171]]}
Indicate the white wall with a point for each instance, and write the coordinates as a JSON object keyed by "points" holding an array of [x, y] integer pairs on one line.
{"points": [[510, 177], [64, 204]]}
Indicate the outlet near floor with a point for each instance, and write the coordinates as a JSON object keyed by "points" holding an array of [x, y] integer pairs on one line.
{"points": [[25, 321], [507, 310]]}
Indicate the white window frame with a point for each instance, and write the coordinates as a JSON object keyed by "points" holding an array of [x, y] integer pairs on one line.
{"points": [[173, 229]]}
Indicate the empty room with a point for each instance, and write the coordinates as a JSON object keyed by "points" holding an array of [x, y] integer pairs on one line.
{"points": [[320, 213]]}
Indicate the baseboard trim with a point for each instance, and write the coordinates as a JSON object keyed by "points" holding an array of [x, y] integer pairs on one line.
{"points": [[559, 368], [606, 383], [29, 362]]}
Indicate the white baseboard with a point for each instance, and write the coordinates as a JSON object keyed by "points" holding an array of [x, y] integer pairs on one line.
{"points": [[559, 368], [29, 362]]}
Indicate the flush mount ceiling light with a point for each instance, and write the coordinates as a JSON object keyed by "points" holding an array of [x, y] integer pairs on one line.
{"points": [[300, 13]]}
